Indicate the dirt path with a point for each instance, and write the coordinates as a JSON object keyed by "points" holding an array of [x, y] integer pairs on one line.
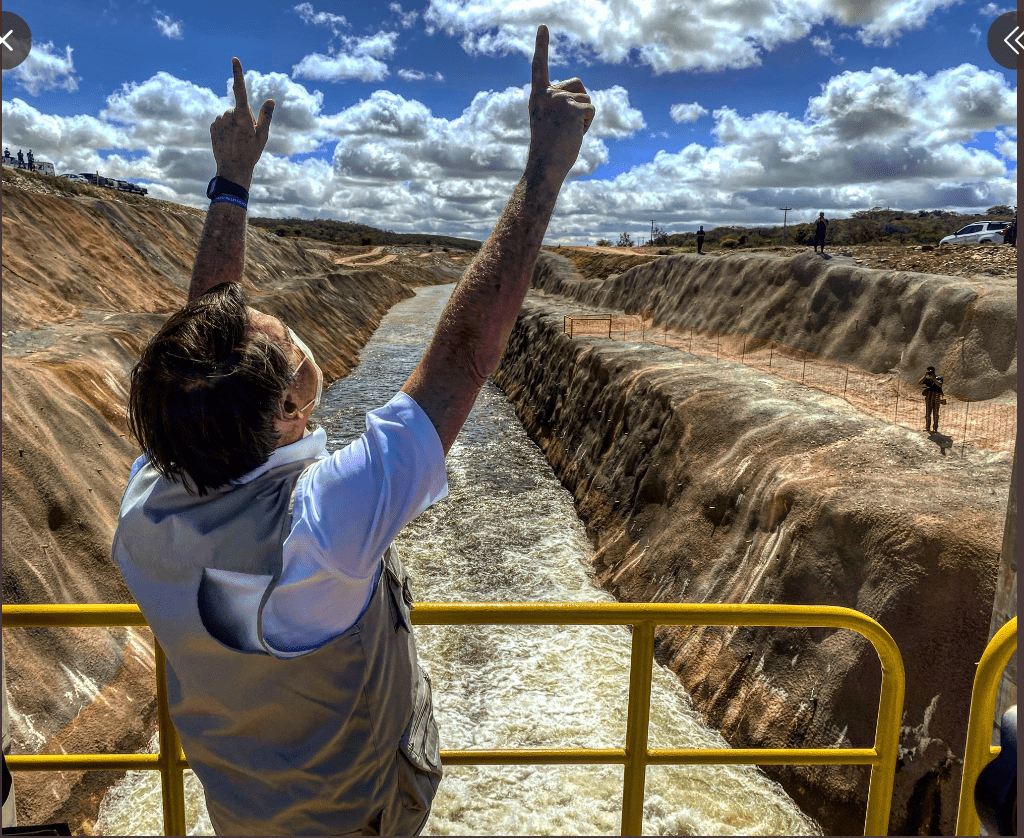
{"points": [[359, 260]]}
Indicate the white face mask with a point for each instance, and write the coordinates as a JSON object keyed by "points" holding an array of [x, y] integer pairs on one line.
{"points": [[308, 357]]}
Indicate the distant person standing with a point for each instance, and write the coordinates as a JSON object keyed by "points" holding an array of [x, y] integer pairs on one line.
{"points": [[31, 161], [932, 393], [1010, 236], [21, 160], [700, 239], [820, 226]]}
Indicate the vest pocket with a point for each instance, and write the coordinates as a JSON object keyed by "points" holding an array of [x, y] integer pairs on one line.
{"points": [[420, 742], [418, 763]]}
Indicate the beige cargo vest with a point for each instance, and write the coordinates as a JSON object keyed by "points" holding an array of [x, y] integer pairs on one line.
{"points": [[338, 740]]}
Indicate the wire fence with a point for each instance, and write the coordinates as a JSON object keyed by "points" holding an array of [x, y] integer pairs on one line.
{"points": [[985, 424]]}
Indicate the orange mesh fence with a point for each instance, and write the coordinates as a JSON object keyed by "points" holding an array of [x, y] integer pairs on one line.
{"points": [[985, 424]]}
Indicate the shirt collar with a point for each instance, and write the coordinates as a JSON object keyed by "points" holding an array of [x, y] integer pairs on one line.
{"points": [[311, 446]]}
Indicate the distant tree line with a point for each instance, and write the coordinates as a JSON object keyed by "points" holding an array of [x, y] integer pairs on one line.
{"points": [[350, 233], [874, 226]]}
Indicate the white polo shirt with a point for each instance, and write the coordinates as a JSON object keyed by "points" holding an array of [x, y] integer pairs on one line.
{"points": [[349, 506]]}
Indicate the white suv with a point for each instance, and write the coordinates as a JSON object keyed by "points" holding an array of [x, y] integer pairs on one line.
{"points": [[981, 232]]}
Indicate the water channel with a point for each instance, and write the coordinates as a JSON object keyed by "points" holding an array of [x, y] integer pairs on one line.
{"points": [[508, 532]]}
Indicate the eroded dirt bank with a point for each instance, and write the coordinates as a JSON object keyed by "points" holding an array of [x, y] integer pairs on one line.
{"points": [[873, 319], [705, 481], [86, 282]]}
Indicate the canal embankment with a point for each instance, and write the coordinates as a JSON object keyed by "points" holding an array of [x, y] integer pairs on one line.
{"points": [[876, 320], [708, 481]]}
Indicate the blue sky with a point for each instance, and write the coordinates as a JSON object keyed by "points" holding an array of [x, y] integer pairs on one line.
{"points": [[412, 116]]}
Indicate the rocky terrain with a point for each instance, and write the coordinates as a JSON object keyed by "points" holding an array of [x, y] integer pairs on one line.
{"points": [[697, 479], [709, 481]]}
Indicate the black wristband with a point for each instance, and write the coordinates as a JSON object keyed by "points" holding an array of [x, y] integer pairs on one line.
{"points": [[223, 186]]}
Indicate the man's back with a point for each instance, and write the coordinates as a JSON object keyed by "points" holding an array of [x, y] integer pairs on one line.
{"points": [[284, 743]]}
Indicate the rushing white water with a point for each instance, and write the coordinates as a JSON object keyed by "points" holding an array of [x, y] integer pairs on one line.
{"points": [[508, 532]]}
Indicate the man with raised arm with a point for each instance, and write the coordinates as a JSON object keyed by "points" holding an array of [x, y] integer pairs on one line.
{"points": [[262, 563]]}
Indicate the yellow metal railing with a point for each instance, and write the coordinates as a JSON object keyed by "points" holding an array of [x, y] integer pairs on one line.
{"points": [[635, 756], [979, 750]]}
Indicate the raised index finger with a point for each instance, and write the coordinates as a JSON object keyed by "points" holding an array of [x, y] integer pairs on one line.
{"points": [[241, 97], [540, 60]]}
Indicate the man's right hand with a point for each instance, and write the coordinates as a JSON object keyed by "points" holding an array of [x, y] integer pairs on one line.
{"points": [[560, 115], [238, 138]]}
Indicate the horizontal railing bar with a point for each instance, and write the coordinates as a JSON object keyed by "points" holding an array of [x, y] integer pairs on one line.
{"points": [[86, 762], [75, 616], [525, 756], [481, 613], [768, 756], [536, 756]]}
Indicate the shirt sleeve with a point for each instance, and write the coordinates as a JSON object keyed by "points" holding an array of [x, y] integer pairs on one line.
{"points": [[350, 505]]}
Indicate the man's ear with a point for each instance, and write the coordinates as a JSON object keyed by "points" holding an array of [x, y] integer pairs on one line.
{"points": [[289, 407]]}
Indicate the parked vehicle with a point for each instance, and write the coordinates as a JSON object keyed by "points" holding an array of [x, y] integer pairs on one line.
{"points": [[74, 177], [980, 232]]}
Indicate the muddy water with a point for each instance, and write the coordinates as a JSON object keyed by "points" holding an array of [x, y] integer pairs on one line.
{"points": [[508, 532]]}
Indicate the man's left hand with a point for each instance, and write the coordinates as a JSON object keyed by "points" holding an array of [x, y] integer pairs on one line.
{"points": [[238, 137]]}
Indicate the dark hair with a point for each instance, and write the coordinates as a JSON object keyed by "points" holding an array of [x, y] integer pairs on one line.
{"points": [[205, 392]]}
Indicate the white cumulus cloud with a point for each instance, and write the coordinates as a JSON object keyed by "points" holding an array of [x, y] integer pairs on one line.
{"points": [[45, 68], [418, 75], [168, 26], [347, 56], [714, 35], [407, 19], [690, 112], [870, 138]]}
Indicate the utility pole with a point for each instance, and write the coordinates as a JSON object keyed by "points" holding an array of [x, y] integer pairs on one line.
{"points": [[785, 213], [652, 232]]}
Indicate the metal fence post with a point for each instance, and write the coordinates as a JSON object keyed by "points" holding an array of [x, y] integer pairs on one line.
{"points": [[895, 419], [847, 381], [967, 410], [803, 372], [743, 355]]}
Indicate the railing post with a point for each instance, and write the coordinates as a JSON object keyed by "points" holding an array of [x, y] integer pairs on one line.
{"points": [[638, 716], [896, 416], [847, 381], [172, 781], [803, 372], [978, 752]]}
